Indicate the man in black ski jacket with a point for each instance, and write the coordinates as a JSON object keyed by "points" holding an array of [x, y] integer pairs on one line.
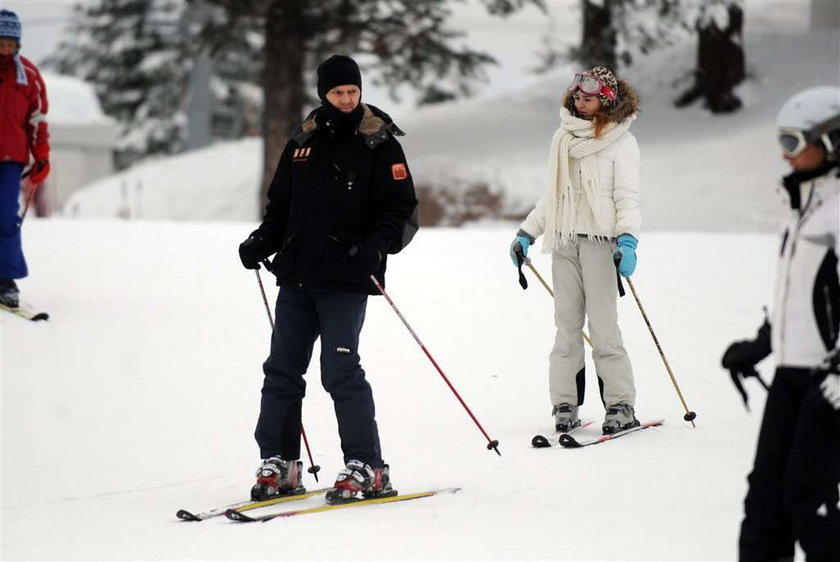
{"points": [[342, 198]]}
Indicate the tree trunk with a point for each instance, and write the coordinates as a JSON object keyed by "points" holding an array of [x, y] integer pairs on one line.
{"points": [[283, 76], [597, 45], [825, 14]]}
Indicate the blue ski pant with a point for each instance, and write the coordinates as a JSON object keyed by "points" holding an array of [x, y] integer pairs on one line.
{"points": [[12, 262], [301, 317]]}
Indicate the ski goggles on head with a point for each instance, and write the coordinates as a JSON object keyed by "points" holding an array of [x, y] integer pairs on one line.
{"points": [[591, 86], [795, 141]]}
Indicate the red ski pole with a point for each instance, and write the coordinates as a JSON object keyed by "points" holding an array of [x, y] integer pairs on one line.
{"points": [[492, 444], [313, 468], [265, 300]]}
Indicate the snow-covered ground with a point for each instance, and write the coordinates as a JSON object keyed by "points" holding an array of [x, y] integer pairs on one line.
{"points": [[139, 397]]}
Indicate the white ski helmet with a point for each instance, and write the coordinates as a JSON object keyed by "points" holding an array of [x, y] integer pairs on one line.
{"points": [[811, 116]]}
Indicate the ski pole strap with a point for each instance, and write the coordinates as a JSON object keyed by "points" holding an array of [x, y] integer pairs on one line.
{"points": [[616, 260], [736, 380], [519, 261]]}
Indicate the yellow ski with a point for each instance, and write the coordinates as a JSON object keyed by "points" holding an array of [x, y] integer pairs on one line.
{"points": [[237, 515]]}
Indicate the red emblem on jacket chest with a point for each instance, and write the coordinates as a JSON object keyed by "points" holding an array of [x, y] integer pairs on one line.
{"points": [[399, 171]]}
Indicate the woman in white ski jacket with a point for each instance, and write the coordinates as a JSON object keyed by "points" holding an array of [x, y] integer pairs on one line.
{"points": [[590, 210]]}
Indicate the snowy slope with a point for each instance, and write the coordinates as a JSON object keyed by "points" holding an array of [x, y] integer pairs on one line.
{"points": [[140, 395], [699, 171]]}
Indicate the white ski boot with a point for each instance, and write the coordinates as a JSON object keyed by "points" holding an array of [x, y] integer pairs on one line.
{"points": [[619, 417], [565, 417]]}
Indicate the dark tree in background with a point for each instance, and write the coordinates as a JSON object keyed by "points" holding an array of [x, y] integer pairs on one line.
{"points": [[144, 58], [397, 43], [720, 57], [599, 39], [615, 32]]}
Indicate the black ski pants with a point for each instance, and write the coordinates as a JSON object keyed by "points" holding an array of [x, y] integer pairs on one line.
{"points": [[301, 317], [795, 481]]}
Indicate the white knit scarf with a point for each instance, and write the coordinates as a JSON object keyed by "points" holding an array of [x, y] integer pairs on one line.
{"points": [[575, 138], [20, 70]]}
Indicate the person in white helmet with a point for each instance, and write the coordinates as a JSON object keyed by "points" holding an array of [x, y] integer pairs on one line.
{"points": [[794, 487]]}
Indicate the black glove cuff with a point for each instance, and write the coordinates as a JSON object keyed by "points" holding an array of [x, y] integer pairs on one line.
{"points": [[530, 238]]}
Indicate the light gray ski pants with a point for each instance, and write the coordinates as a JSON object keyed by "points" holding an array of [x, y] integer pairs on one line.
{"points": [[584, 279]]}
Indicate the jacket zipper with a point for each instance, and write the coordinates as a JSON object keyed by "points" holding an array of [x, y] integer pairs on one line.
{"points": [[786, 287]]}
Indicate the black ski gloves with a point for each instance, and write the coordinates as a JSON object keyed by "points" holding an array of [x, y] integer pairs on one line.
{"points": [[254, 250], [365, 257], [829, 372], [742, 356]]}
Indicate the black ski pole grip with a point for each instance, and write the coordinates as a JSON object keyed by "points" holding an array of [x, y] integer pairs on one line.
{"points": [[616, 261], [520, 259]]}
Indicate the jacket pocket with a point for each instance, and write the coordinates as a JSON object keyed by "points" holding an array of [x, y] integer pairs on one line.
{"points": [[344, 263], [284, 262]]}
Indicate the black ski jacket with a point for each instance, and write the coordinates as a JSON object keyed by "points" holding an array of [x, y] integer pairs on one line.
{"points": [[338, 203]]}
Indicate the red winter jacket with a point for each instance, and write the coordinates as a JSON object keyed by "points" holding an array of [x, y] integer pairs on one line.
{"points": [[23, 111]]}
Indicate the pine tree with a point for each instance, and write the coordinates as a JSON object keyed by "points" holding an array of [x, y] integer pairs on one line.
{"points": [[397, 42], [615, 32], [129, 50], [139, 54]]}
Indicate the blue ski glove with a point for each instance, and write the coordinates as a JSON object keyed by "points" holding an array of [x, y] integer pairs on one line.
{"points": [[627, 248], [520, 246]]}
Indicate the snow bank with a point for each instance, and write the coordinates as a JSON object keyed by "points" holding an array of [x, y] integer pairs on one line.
{"points": [[72, 101]]}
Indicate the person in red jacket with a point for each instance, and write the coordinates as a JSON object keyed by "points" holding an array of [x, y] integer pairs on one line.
{"points": [[23, 109]]}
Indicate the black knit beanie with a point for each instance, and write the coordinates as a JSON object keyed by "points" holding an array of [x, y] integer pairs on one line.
{"points": [[338, 70]]}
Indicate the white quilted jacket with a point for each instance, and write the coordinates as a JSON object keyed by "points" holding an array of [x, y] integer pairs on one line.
{"points": [[618, 174]]}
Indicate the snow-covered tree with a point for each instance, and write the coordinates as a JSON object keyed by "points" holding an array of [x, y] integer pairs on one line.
{"points": [[139, 55], [131, 52]]}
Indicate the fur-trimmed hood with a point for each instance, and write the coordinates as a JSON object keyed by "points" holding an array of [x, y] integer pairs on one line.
{"points": [[376, 126], [627, 103]]}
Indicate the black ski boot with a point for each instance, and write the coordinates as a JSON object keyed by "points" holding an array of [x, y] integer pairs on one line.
{"points": [[9, 293]]}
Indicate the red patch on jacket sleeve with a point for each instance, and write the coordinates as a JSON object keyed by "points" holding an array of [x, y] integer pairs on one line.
{"points": [[399, 171]]}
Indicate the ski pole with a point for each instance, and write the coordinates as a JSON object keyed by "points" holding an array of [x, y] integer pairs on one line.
{"points": [[29, 198], [527, 261], [689, 415], [265, 300], [313, 468], [492, 444]]}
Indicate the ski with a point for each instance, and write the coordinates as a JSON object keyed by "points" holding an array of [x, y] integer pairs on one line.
{"points": [[542, 442], [26, 313], [237, 515], [246, 505], [570, 442]]}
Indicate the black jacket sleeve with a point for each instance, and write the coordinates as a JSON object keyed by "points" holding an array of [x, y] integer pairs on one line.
{"points": [[392, 196], [273, 227]]}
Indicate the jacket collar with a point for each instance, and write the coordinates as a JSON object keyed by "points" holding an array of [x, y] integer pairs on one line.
{"points": [[794, 180], [375, 127]]}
